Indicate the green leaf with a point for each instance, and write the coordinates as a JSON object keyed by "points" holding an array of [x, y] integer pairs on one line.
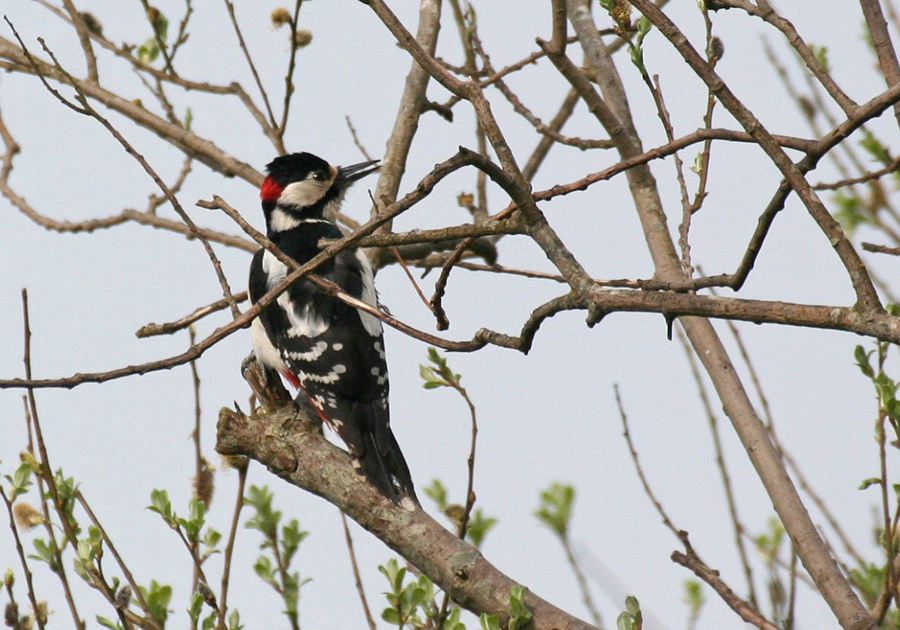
{"points": [[264, 569], [234, 620], [160, 24], [644, 25], [632, 605], [291, 537], [821, 54], [556, 508], [479, 526], [195, 609], [489, 622], [149, 51], [874, 147], [391, 615], [395, 574], [624, 622], [265, 519], [862, 361], [637, 58], [452, 621], [518, 611], [159, 503], [109, 623], [850, 212], [697, 166], [437, 493], [426, 373], [871, 481], [693, 595], [21, 480], [157, 597], [210, 621], [46, 552]]}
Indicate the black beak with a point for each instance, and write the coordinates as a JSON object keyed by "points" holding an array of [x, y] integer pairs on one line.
{"points": [[349, 174]]}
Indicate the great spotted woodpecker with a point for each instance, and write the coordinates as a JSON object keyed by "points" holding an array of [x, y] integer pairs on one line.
{"points": [[332, 352]]}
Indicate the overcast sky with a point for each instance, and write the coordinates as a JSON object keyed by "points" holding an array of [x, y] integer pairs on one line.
{"points": [[550, 416]]}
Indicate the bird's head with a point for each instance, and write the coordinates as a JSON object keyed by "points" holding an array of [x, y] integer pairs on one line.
{"points": [[302, 186]]}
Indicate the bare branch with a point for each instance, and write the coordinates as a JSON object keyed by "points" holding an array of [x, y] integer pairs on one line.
{"points": [[306, 459], [884, 48], [866, 295], [271, 127], [199, 148], [412, 105], [746, 611]]}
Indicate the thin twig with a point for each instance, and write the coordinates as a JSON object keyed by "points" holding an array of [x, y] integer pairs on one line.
{"points": [[24, 562], [679, 533], [271, 126], [150, 330], [441, 285], [199, 462], [46, 473], [862, 179], [87, 109], [356, 576], [84, 39], [229, 547], [289, 75], [396, 251], [744, 610], [135, 589]]}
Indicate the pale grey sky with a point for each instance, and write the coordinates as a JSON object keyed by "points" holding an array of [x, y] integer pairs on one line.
{"points": [[550, 416]]}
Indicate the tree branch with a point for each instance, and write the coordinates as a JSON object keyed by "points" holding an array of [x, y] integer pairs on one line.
{"points": [[285, 443]]}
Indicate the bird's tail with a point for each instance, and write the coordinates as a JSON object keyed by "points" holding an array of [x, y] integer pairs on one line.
{"points": [[373, 445]]}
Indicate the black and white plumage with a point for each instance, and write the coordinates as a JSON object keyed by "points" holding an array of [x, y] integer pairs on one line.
{"points": [[333, 352]]}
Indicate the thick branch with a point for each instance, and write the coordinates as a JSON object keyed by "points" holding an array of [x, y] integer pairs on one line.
{"points": [[412, 105], [856, 270], [881, 41], [765, 458], [283, 442]]}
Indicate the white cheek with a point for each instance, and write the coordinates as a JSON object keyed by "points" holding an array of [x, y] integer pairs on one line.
{"points": [[303, 194]]}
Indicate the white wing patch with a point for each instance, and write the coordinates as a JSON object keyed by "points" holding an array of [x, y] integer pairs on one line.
{"points": [[303, 323], [311, 355], [274, 269], [371, 323], [332, 377]]}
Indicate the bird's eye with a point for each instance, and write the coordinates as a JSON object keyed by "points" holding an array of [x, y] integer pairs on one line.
{"points": [[319, 176]]}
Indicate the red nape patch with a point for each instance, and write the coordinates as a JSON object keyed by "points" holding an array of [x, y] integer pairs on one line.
{"points": [[270, 190], [292, 379]]}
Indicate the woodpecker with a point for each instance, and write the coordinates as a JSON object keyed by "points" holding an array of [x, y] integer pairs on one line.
{"points": [[331, 351]]}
